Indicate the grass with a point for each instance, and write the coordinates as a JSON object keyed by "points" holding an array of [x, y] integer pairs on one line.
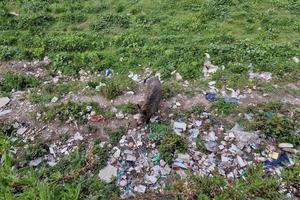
{"points": [[129, 108], [15, 82], [116, 135], [72, 111], [171, 144]]}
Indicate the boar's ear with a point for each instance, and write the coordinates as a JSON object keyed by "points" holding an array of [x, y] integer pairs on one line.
{"points": [[139, 107]]}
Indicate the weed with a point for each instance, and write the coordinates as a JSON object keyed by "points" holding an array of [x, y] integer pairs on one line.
{"points": [[129, 108], [158, 132], [17, 82], [116, 135], [222, 107], [171, 89], [101, 154], [170, 144]]}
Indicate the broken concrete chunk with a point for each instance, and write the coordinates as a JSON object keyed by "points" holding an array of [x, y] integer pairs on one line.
{"points": [[106, 174], [5, 112], [35, 162], [241, 162], [285, 145], [4, 101]]}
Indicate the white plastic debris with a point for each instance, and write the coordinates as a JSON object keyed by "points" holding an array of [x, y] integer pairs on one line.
{"points": [[285, 145], [106, 174], [22, 130], [5, 112], [296, 59], [78, 136], [208, 67], [140, 189], [264, 75], [54, 100], [36, 162]]}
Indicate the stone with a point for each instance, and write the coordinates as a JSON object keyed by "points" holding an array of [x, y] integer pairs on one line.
{"points": [[241, 162], [150, 179], [212, 136], [179, 125], [4, 101], [225, 158], [130, 158], [285, 145], [54, 100], [180, 165], [36, 162], [140, 189], [185, 157], [117, 153], [165, 170], [22, 130], [123, 183], [78, 136], [295, 59], [4, 112], [106, 174]]}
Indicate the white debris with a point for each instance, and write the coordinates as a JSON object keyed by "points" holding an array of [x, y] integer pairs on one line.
{"points": [[295, 59], [120, 115], [130, 158], [185, 157], [134, 77], [35, 162], [117, 153], [150, 179], [22, 130], [54, 100], [4, 101], [140, 189], [285, 145], [5, 112], [78, 136], [179, 126], [264, 75], [241, 162], [123, 183], [208, 67], [106, 174]]}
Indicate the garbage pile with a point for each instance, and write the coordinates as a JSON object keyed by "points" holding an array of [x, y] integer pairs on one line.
{"points": [[138, 168]]}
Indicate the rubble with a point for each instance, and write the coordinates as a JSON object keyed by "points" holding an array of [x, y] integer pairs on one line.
{"points": [[106, 174], [4, 101], [208, 67], [264, 75]]}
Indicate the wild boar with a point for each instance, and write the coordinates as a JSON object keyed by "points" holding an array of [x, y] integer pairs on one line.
{"points": [[152, 100]]}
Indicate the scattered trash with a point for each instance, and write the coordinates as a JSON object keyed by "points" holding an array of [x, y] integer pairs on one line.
{"points": [[280, 161], [108, 72], [106, 174], [211, 96], [179, 126], [208, 67], [22, 130], [296, 59], [5, 112], [54, 100], [97, 118], [264, 75], [285, 145], [134, 77], [35, 162], [274, 155], [140, 189], [78, 136]]}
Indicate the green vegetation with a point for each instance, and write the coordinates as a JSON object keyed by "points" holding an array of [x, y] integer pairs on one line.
{"points": [[158, 132], [17, 82], [116, 135], [251, 185], [71, 110], [129, 108], [170, 144], [274, 119], [47, 183], [223, 107], [125, 35]]}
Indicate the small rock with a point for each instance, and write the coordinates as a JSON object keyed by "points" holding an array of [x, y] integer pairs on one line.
{"points": [[179, 125], [78, 136], [241, 162], [4, 101], [180, 165], [185, 157], [107, 173], [51, 163], [151, 179], [285, 145], [54, 100], [117, 153], [35, 162], [130, 158], [5, 112], [295, 59], [140, 188], [22, 130], [123, 183]]}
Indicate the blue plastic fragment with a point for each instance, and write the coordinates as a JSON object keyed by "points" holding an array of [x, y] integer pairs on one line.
{"points": [[108, 72], [210, 96], [282, 159]]}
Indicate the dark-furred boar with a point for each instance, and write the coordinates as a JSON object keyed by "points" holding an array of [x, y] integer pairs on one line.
{"points": [[152, 100]]}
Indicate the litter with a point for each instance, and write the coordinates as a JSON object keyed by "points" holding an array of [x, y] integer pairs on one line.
{"points": [[211, 96], [97, 118], [108, 72], [208, 67], [264, 75], [280, 161]]}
